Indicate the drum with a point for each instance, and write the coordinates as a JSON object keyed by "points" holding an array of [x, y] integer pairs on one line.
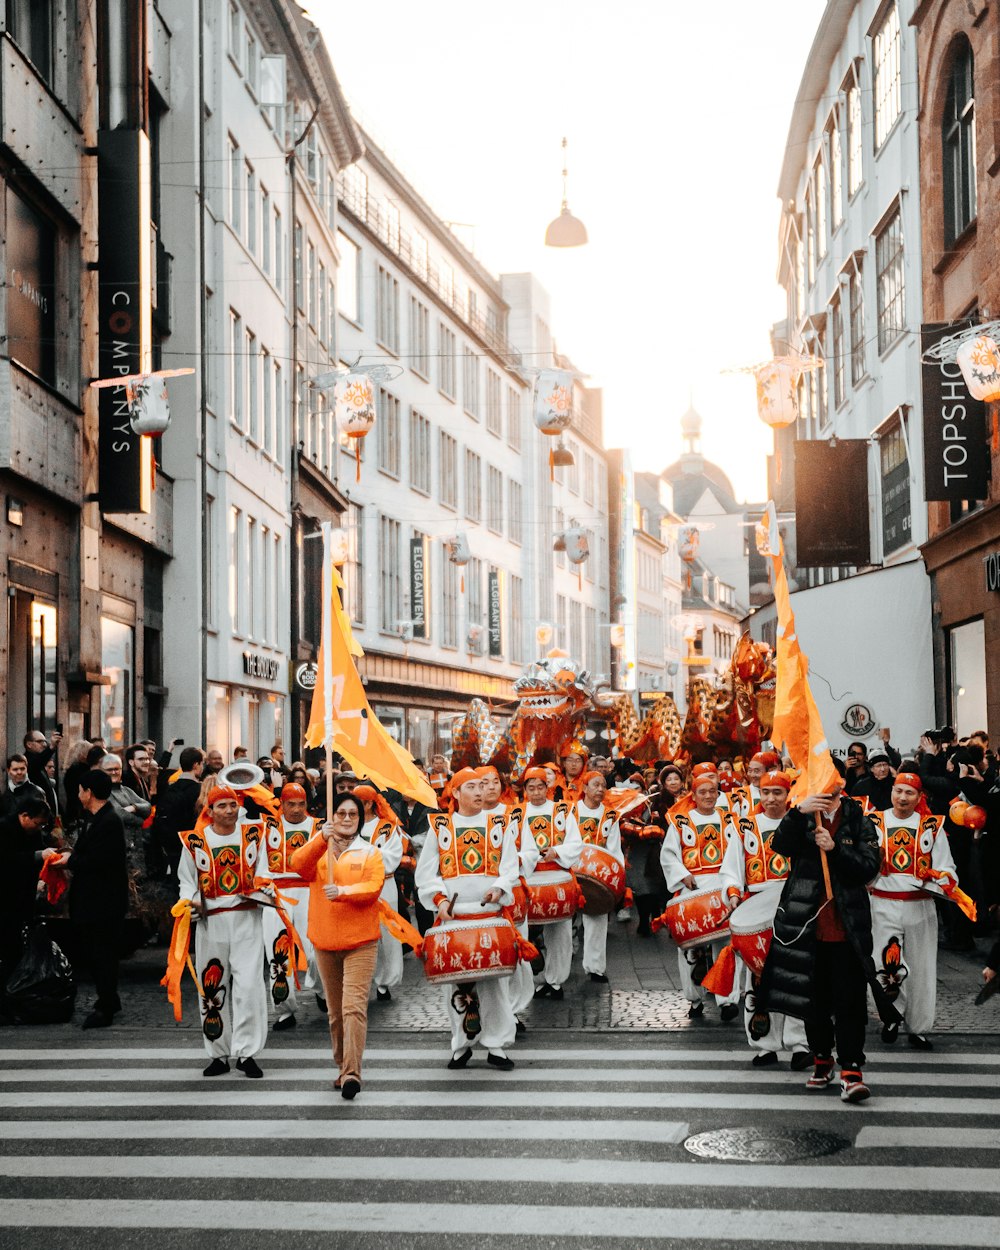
{"points": [[471, 949], [552, 895], [601, 879], [697, 917], [750, 928], [520, 908]]}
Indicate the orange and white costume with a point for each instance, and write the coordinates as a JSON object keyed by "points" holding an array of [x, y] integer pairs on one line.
{"points": [[281, 842], [552, 824], [598, 827], [387, 836], [522, 984]]}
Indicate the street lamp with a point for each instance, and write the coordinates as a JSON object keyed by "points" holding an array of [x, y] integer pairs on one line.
{"points": [[565, 230]]}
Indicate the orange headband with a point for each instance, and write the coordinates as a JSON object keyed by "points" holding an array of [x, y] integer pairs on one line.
{"points": [[574, 748], [776, 778], [589, 776], [535, 774], [486, 770], [461, 777], [293, 791], [703, 770], [909, 779], [221, 792]]}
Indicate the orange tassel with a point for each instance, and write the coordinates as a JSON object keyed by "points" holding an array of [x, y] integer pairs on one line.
{"points": [[399, 928], [552, 466], [720, 977], [629, 897], [579, 579], [777, 466], [657, 923], [357, 460]]}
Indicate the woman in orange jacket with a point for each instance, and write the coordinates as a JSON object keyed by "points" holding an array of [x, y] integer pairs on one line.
{"points": [[345, 875]]}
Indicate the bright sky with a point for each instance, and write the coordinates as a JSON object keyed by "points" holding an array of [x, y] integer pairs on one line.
{"points": [[676, 114]]}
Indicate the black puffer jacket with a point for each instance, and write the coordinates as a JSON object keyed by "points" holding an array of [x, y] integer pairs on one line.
{"points": [[787, 980]]}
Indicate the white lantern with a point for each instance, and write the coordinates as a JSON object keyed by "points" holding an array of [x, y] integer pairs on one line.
{"points": [[618, 636], [979, 360], [354, 409], [553, 400], [459, 551], [577, 547], [543, 635], [149, 411], [777, 404], [688, 542]]}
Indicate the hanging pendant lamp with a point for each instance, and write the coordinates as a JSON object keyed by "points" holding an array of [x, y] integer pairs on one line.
{"points": [[565, 230]]}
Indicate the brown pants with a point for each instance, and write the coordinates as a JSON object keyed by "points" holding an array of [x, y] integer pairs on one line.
{"points": [[347, 979]]}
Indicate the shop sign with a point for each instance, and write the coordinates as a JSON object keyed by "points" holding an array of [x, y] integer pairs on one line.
{"points": [[956, 456], [859, 720], [992, 563], [418, 586], [831, 524], [263, 667], [306, 676], [495, 611]]}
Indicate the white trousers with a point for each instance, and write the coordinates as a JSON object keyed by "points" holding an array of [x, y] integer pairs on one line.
{"points": [[389, 959], [229, 952], [694, 993], [497, 1025], [280, 978], [521, 986], [595, 943], [912, 981], [558, 952]]}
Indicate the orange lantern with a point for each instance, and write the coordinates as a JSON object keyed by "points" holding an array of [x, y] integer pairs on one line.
{"points": [[354, 409], [957, 811], [975, 818]]}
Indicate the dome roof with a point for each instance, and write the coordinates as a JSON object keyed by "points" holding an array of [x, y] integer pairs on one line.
{"points": [[689, 487], [691, 423]]}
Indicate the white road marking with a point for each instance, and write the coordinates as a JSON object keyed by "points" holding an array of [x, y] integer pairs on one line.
{"points": [[929, 1136]]}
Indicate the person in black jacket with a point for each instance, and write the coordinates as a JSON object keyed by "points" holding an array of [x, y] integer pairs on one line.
{"points": [[820, 961], [876, 784], [98, 893], [23, 848], [176, 813]]}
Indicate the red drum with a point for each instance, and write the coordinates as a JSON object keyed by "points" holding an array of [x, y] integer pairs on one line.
{"points": [[697, 917], [601, 879], [471, 949], [552, 895], [520, 908], [750, 928]]}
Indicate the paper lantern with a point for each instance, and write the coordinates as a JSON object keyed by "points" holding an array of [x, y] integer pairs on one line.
{"points": [[956, 812], [975, 818], [688, 542], [577, 547], [543, 635], [354, 409], [777, 404], [460, 553], [553, 400], [979, 360], [618, 636], [149, 411]]}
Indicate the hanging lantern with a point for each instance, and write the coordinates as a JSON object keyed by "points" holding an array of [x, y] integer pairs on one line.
{"points": [[979, 360], [543, 635], [777, 404], [577, 550], [553, 400], [146, 396], [354, 409], [562, 457], [618, 635], [459, 553], [688, 542]]}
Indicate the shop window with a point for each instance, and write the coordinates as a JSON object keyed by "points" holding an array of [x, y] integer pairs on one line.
{"points": [[420, 732], [967, 674], [31, 304], [217, 718], [29, 24], [958, 138], [118, 698]]}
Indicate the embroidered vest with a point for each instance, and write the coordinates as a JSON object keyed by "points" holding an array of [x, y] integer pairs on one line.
{"points": [[702, 846], [228, 870], [906, 852], [469, 851], [595, 829], [282, 842], [548, 831], [761, 862]]}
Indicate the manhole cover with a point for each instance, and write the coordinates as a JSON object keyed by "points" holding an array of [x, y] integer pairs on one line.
{"points": [[752, 1145]]}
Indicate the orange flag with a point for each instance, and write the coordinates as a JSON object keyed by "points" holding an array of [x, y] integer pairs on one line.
{"points": [[340, 717], [796, 718]]}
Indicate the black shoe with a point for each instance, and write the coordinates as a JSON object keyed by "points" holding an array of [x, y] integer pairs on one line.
{"points": [[919, 1042], [461, 1060], [218, 1067], [766, 1059], [696, 1011], [321, 1003], [98, 1020], [729, 1011], [250, 1068], [521, 1029], [350, 1088], [890, 1034], [556, 992], [284, 1022], [801, 1059], [600, 977], [382, 995], [500, 1061], [544, 990]]}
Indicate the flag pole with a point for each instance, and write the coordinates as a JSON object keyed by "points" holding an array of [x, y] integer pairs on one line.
{"points": [[328, 682]]}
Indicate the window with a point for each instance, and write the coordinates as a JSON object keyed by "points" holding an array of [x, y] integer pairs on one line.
{"points": [[885, 84], [446, 361], [32, 244], [253, 387], [300, 294], [321, 310], [820, 205], [251, 194], [855, 148], [235, 186], [516, 632], [895, 472], [470, 382], [29, 24], [311, 284], [576, 630], [836, 362], [235, 369], [473, 486], [354, 583], [449, 603], [967, 674], [117, 663], [560, 525], [389, 433], [331, 201], [514, 418], [810, 235], [331, 328], [251, 64], [235, 27], [265, 229], [448, 487], [387, 311], [494, 499], [279, 414], [349, 278], [267, 587], [494, 403], [593, 655], [515, 512], [817, 388], [391, 598], [889, 268], [267, 394], [235, 527], [252, 583], [420, 452], [420, 338], [857, 298], [958, 137], [279, 254], [474, 591], [834, 162]]}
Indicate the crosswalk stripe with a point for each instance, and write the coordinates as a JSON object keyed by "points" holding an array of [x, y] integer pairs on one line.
{"points": [[519, 1171], [525, 1220], [916, 1136]]}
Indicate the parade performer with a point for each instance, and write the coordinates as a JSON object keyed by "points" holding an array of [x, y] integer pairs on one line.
{"points": [[916, 864], [821, 954], [294, 830], [745, 798], [574, 756], [553, 826], [598, 826], [384, 831], [751, 868], [691, 858], [469, 865]]}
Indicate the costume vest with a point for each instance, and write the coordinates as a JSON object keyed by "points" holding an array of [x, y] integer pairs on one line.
{"points": [[702, 846], [761, 862], [595, 829], [548, 830], [282, 843], [469, 851], [906, 852], [228, 870]]}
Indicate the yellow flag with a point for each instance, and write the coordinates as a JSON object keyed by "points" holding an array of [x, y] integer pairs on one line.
{"points": [[796, 718], [340, 716]]}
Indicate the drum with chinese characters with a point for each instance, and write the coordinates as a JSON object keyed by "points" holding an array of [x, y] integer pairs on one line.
{"points": [[601, 879], [472, 948], [697, 917], [750, 927], [553, 895]]}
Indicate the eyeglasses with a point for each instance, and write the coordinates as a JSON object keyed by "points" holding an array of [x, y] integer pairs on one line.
{"points": [[342, 815]]}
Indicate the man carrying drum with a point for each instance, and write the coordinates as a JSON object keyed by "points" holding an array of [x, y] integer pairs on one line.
{"points": [[598, 826], [553, 826], [469, 866], [294, 831], [753, 874], [691, 857]]}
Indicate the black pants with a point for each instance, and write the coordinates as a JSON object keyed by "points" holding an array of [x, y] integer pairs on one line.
{"points": [[97, 947], [840, 997]]}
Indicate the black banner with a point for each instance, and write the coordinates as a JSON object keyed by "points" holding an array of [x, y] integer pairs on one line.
{"points": [[125, 462], [956, 458], [418, 586], [831, 503], [494, 609]]}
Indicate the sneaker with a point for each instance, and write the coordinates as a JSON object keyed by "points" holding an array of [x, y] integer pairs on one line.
{"points": [[696, 1011], [624, 914], [919, 1041], [890, 1034], [822, 1074], [250, 1068], [852, 1086]]}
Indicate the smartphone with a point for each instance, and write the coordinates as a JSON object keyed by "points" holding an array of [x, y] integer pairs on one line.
{"points": [[178, 742], [59, 729]]}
